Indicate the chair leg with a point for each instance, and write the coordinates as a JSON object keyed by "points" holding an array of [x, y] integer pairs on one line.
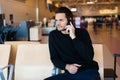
{"points": [[11, 72], [114, 67], [2, 75]]}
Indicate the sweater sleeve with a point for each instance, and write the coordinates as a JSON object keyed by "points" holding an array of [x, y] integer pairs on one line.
{"points": [[55, 58], [84, 45]]}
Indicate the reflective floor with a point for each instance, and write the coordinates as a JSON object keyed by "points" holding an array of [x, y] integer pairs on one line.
{"points": [[110, 38]]}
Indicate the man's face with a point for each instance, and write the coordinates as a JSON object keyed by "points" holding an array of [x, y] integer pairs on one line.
{"points": [[61, 21]]}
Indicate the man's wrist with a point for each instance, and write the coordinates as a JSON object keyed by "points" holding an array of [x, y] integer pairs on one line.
{"points": [[73, 37], [66, 67]]}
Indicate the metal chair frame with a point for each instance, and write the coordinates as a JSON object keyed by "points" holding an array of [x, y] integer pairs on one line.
{"points": [[115, 61], [11, 68]]}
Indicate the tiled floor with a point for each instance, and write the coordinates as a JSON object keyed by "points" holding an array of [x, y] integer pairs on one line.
{"points": [[110, 41]]}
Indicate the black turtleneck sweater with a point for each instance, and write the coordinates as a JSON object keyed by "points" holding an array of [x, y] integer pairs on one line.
{"points": [[64, 50]]}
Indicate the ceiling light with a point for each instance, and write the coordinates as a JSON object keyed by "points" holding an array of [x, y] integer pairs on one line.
{"points": [[56, 5], [90, 2], [49, 1], [73, 9]]}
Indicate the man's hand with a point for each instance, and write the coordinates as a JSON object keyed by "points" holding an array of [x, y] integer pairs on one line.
{"points": [[70, 30], [72, 68]]}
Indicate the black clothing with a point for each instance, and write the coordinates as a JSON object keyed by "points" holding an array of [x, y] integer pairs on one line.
{"points": [[89, 74], [64, 50]]}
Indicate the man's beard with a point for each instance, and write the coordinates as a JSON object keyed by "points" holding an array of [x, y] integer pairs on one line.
{"points": [[63, 29]]}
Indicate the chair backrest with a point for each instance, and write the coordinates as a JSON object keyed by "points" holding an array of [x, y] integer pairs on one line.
{"points": [[4, 57], [14, 45], [32, 62], [98, 56]]}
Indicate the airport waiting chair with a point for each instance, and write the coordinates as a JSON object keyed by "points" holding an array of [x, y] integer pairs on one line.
{"points": [[6, 71], [98, 56], [109, 73], [115, 60], [32, 62]]}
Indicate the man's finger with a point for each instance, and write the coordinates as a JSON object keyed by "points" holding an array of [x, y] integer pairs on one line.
{"points": [[77, 65], [71, 24]]}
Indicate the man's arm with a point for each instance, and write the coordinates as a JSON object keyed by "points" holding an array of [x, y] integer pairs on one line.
{"points": [[83, 45], [55, 58]]}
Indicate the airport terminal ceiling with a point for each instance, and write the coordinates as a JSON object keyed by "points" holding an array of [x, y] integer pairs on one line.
{"points": [[90, 7], [85, 2]]}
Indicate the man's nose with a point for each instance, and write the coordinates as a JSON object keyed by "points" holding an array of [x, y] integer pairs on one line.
{"points": [[57, 23]]}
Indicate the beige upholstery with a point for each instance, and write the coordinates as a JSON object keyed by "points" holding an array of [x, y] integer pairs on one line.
{"points": [[14, 48], [32, 62], [4, 57], [98, 56]]}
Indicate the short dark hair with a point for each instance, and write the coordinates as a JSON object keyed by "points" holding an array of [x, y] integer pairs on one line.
{"points": [[68, 13]]}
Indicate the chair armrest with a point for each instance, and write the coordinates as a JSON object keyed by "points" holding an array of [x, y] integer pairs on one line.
{"points": [[117, 55], [10, 72]]}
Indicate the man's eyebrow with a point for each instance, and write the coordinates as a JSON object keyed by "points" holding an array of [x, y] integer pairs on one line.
{"points": [[58, 19]]}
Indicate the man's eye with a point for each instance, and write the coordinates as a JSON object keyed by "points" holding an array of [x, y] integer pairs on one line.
{"points": [[61, 20]]}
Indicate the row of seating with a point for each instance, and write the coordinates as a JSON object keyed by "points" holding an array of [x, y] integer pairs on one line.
{"points": [[33, 62], [4, 58]]}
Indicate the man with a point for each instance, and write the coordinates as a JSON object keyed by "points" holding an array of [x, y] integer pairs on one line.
{"points": [[71, 49]]}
